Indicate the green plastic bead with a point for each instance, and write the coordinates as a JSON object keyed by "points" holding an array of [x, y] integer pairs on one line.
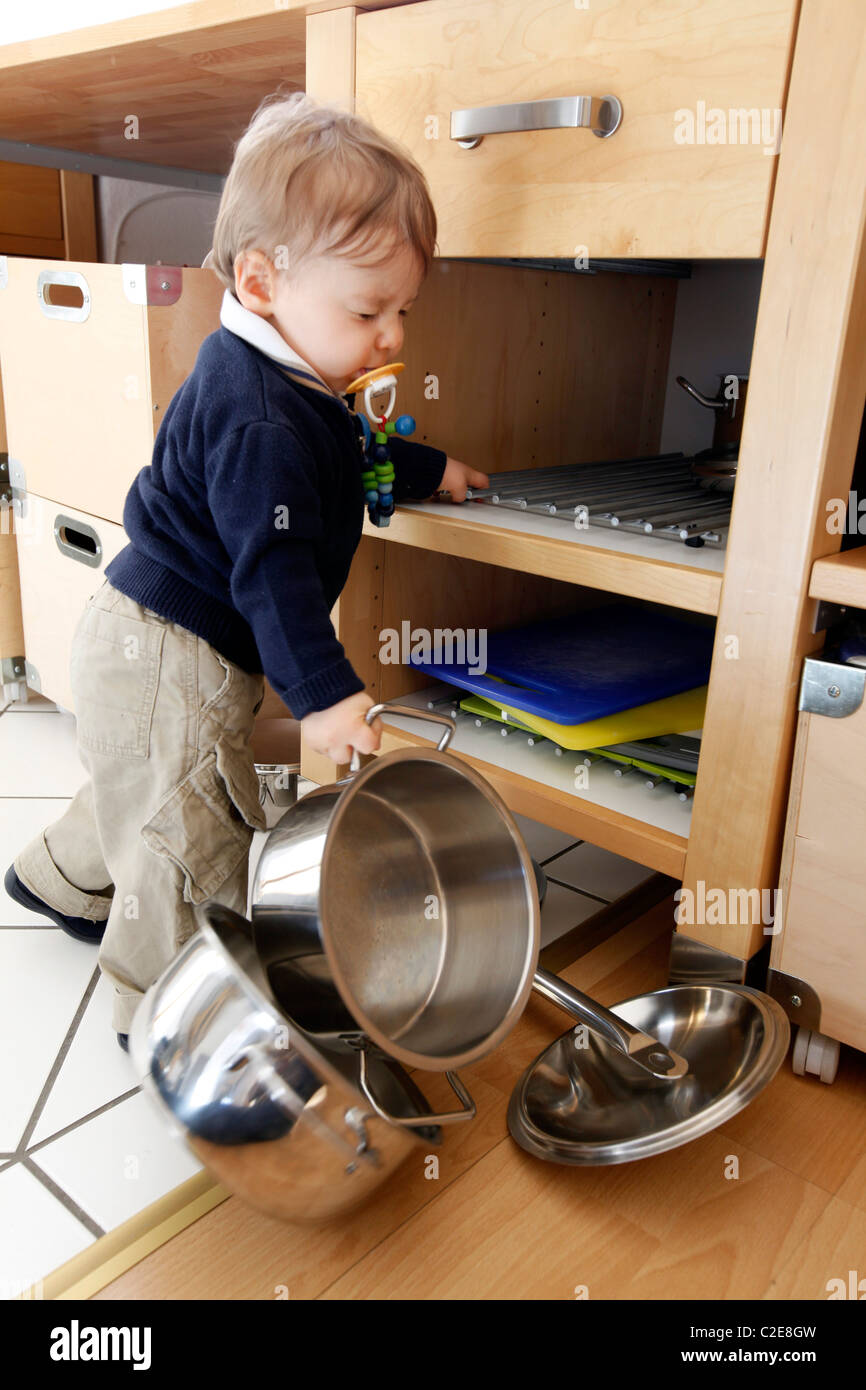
{"points": [[390, 427], [381, 438]]}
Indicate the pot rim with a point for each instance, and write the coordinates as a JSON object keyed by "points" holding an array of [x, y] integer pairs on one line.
{"points": [[247, 975], [404, 1055]]}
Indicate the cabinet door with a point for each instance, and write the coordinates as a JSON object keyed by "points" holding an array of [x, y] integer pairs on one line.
{"points": [[823, 880], [62, 555], [688, 172]]}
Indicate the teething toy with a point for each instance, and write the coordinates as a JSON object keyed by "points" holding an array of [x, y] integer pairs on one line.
{"points": [[378, 476]]}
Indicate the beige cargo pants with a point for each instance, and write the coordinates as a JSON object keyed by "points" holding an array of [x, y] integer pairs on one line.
{"points": [[166, 818]]}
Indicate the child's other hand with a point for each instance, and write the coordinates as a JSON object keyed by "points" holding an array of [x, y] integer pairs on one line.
{"points": [[334, 732], [458, 477]]}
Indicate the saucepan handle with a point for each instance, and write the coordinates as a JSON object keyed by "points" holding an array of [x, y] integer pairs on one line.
{"points": [[418, 1121], [410, 713]]}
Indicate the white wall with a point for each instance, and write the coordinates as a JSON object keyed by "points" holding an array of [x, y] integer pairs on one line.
{"points": [[174, 227], [714, 327]]}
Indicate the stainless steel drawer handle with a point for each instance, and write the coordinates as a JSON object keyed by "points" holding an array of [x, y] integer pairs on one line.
{"points": [[77, 540], [601, 115]]}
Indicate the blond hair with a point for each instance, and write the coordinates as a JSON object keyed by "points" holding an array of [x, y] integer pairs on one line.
{"points": [[317, 181]]}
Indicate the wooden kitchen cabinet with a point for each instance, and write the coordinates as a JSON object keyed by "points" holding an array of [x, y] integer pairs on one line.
{"points": [[46, 212], [818, 954], [688, 172], [806, 391], [11, 628], [808, 368], [62, 555], [92, 355]]}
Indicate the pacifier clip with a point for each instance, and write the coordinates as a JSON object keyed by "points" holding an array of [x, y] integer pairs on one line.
{"points": [[378, 473]]}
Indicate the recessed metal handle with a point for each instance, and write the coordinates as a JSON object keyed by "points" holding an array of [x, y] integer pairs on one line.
{"points": [[73, 313], [78, 540], [601, 115]]}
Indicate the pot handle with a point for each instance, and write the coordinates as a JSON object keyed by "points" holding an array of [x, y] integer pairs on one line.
{"points": [[418, 1121], [407, 710]]}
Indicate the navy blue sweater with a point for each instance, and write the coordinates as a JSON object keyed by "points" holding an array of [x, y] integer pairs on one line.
{"points": [[243, 527]]}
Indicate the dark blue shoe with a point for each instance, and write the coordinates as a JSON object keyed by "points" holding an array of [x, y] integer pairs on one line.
{"points": [[123, 1039], [81, 928]]}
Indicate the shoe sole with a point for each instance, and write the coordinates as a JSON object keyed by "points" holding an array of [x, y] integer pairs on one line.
{"points": [[22, 895]]}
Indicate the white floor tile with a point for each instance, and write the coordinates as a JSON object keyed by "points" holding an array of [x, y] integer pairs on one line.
{"points": [[562, 910], [118, 1162], [43, 976], [596, 870], [542, 840], [21, 820], [39, 756], [94, 1071], [39, 1234]]}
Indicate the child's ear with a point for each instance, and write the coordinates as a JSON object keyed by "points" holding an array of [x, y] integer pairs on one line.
{"points": [[255, 281]]}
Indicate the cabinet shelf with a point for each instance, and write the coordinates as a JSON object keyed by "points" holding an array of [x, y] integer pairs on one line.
{"points": [[658, 571], [621, 814], [841, 578]]}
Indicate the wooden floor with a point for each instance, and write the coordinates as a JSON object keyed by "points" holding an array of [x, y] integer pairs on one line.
{"points": [[498, 1224]]}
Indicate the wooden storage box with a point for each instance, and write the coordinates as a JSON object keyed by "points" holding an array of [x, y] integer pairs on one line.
{"points": [[689, 171], [818, 955], [62, 555], [91, 356]]}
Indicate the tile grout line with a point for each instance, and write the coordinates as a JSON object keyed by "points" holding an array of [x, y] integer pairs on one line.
{"points": [[76, 1124], [560, 852], [59, 1060], [63, 1198], [608, 902]]}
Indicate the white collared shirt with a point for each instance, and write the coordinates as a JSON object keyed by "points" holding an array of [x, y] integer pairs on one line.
{"points": [[264, 336]]}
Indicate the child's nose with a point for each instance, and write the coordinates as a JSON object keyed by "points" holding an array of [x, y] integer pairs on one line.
{"points": [[390, 337]]}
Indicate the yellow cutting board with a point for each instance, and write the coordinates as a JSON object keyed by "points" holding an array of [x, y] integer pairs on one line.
{"points": [[677, 714]]}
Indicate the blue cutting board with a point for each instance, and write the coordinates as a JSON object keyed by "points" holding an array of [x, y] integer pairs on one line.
{"points": [[586, 665]]}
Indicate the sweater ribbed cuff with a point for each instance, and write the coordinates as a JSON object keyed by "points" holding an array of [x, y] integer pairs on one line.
{"points": [[324, 689]]}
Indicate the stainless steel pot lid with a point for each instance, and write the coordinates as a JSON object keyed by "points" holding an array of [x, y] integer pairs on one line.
{"points": [[582, 1102]]}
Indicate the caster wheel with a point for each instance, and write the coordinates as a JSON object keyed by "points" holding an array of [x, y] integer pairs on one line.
{"points": [[817, 1054]]}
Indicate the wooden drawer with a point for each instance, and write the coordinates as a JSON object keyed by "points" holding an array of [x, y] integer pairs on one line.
{"points": [[642, 191], [62, 555], [822, 942], [92, 355]]}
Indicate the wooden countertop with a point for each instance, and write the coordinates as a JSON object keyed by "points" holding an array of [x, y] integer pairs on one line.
{"points": [[192, 75]]}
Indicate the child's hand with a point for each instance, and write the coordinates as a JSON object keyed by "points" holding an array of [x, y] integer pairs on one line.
{"points": [[337, 730], [458, 477]]}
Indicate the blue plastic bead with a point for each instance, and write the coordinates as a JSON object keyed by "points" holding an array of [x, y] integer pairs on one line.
{"points": [[381, 453], [405, 424], [385, 488], [371, 496]]}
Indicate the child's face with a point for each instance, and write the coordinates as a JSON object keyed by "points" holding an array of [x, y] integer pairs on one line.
{"points": [[342, 318]]}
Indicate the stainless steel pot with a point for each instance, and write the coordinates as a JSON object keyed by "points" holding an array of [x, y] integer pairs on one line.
{"points": [[296, 1134], [400, 903]]}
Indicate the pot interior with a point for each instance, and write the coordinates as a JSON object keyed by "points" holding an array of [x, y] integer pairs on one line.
{"points": [[429, 909]]}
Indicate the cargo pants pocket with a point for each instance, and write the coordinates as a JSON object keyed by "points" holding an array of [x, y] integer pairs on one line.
{"points": [[114, 670], [203, 825]]}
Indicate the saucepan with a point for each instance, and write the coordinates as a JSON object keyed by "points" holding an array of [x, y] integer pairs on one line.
{"points": [[300, 1135], [399, 905]]}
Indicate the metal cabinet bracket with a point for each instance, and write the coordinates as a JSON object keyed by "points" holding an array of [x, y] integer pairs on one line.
{"points": [[831, 688], [799, 1000]]}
